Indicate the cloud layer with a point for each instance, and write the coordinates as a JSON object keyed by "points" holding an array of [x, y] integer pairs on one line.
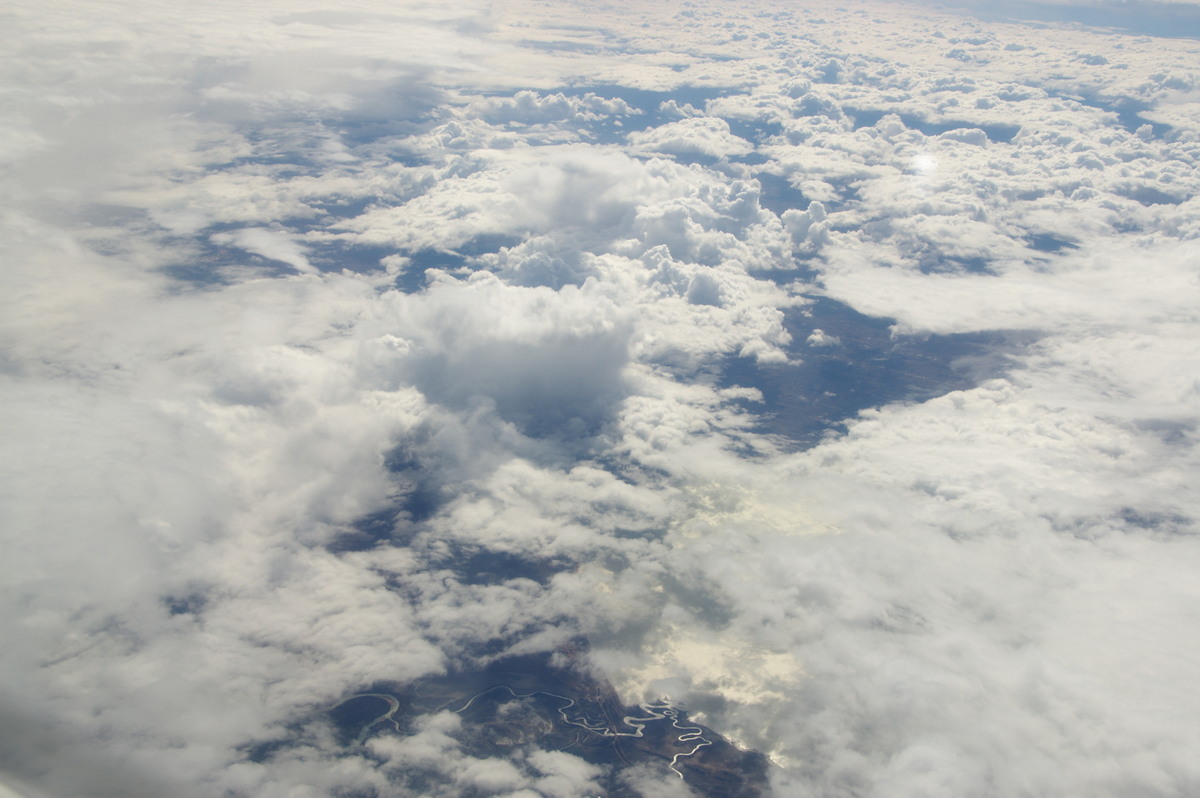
{"points": [[342, 349]]}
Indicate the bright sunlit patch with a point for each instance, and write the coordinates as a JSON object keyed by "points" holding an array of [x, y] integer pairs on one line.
{"points": [[924, 164], [685, 660]]}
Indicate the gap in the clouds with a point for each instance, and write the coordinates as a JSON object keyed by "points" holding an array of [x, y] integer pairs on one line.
{"points": [[1048, 242], [849, 362], [423, 495], [712, 162], [847, 190], [996, 132], [336, 256], [648, 113], [482, 566], [263, 750], [419, 496], [391, 110], [805, 271], [648, 102], [339, 207], [1148, 195], [777, 194], [1160, 521], [308, 160], [514, 705], [197, 273], [283, 152], [936, 263], [361, 714], [488, 244], [412, 278], [1128, 111], [190, 604], [1170, 431], [564, 46], [355, 135], [751, 159], [377, 529], [210, 265], [754, 130]]}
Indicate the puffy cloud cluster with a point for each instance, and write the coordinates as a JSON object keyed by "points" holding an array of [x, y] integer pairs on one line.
{"points": [[332, 363], [692, 135], [529, 107]]}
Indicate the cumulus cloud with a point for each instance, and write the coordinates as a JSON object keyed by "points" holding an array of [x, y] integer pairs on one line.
{"points": [[549, 362], [529, 107], [693, 135]]}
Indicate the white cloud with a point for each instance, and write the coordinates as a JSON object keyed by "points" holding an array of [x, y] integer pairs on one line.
{"points": [[549, 362], [529, 107], [819, 337], [693, 135], [270, 244]]}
